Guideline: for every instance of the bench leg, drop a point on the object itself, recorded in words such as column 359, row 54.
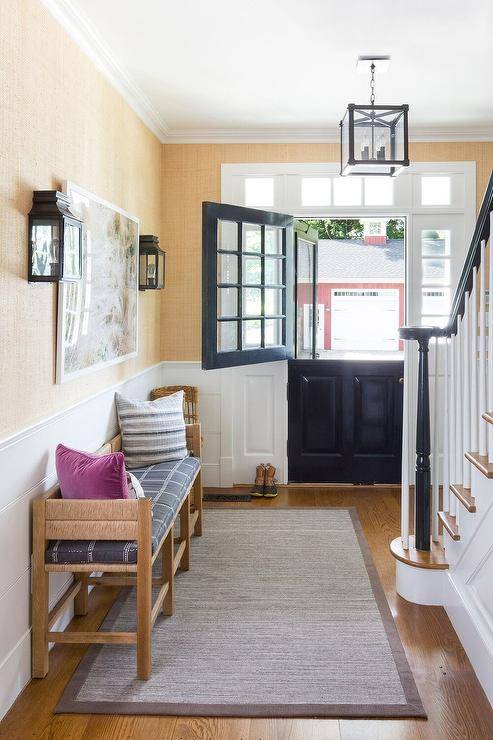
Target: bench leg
column 197, row 502
column 40, row 595
column 40, row 624
column 185, row 533
column 168, row 572
column 81, row 601
column 144, row 591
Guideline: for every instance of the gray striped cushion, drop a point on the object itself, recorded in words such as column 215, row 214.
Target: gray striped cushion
column 152, row 431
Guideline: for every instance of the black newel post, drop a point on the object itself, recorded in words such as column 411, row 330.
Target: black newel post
column 423, row 483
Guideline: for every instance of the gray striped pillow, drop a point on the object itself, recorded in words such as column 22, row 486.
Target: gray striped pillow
column 152, row 431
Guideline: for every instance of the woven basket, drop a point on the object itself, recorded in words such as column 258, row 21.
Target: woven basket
column 190, row 399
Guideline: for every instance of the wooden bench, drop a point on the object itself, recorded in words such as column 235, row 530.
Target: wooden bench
column 58, row 519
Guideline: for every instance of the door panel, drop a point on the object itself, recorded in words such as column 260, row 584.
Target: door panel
column 321, row 399
column 344, row 421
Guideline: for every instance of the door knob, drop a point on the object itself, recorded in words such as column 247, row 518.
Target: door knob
column 401, row 381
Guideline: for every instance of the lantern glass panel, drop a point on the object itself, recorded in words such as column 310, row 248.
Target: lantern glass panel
column 372, row 135
column 143, row 270
column 160, row 268
column 151, row 271
column 399, row 138
column 345, row 139
column 45, row 240
column 72, row 252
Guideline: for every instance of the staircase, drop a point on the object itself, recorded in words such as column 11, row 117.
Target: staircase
column 448, row 558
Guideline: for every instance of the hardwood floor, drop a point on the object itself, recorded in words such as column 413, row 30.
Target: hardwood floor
column 456, row 705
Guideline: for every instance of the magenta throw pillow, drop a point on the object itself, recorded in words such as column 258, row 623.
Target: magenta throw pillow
column 87, row 476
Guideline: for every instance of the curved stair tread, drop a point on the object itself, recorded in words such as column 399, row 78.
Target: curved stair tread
column 450, row 524
column 488, row 416
column 464, row 495
column 481, row 463
column 433, row 559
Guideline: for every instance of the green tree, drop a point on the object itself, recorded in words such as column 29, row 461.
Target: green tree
column 338, row 228
column 395, row 228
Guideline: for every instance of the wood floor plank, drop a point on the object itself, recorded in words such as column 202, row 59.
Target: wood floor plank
column 212, row 728
column 116, row 727
column 294, row 729
column 456, row 705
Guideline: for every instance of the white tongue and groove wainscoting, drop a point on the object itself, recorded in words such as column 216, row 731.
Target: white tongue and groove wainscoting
column 28, row 470
column 243, row 412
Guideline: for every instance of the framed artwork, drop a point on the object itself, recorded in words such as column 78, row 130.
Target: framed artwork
column 98, row 316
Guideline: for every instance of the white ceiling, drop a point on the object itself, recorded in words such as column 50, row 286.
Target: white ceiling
column 285, row 69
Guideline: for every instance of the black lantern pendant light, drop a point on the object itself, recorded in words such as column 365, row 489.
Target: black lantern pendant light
column 374, row 138
column 151, row 267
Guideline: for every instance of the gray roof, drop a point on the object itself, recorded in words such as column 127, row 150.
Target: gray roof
column 348, row 259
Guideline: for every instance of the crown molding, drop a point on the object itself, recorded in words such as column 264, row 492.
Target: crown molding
column 313, row 136
column 85, row 36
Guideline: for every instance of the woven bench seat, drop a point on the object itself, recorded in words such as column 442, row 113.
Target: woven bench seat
column 166, row 484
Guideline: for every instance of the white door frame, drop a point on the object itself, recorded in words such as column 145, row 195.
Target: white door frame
column 287, row 179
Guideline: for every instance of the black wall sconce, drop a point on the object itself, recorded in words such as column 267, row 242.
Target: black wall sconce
column 55, row 239
column 151, row 263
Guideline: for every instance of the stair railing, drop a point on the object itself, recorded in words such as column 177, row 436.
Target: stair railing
column 465, row 351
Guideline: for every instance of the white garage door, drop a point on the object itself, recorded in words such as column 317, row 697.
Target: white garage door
column 365, row 319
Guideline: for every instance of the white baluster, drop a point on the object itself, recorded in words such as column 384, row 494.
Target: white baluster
column 458, row 407
column 452, row 426
column 405, row 453
column 482, row 427
column 473, row 340
column 446, row 421
column 465, row 392
column 435, row 450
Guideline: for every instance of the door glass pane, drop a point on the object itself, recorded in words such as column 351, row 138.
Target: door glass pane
column 252, row 333
column 436, row 271
column 252, row 270
column 259, row 192
column 435, row 243
column 227, row 336
column 227, row 268
column 315, row 191
column 273, row 332
column 273, row 301
column 273, row 240
column 435, row 301
column 227, row 235
column 304, row 293
column 440, row 321
column 227, row 301
column 252, row 235
column 252, row 301
column 273, row 271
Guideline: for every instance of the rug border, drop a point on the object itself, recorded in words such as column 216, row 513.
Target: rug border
column 68, row 703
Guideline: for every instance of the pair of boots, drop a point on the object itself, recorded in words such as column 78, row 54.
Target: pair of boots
column 264, row 485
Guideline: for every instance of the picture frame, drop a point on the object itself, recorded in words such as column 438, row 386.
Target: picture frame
column 97, row 322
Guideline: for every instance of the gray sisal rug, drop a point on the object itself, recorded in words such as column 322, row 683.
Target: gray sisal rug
column 281, row 615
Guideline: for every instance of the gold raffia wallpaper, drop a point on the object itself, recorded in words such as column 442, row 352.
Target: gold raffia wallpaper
column 192, row 174
column 60, row 119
